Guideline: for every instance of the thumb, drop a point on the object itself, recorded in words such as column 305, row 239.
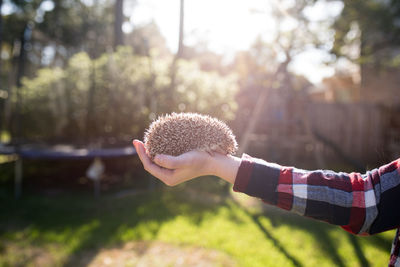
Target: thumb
column 169, row 162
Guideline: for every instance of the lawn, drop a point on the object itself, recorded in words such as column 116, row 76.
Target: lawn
column 172, row 227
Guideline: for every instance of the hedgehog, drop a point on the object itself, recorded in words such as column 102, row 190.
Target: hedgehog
column 178, row 133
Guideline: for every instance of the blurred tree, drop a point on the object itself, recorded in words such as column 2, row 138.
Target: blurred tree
column 118, row 20
column 367, row 31
column 178, row 54
column 17, row 29
column 2, row 91
column 208, row 60
column 1, row 37
column 368, row 34
column 340, row 88
column 181, row 28
column 61, row 29
column 146, row 38
column 126, row 85
column 73, row 26
column 268, row 63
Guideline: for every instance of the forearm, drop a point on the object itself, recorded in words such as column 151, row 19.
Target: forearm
column 350, row 200
column 225, row 167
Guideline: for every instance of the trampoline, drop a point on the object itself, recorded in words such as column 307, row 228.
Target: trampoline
column 59, row 152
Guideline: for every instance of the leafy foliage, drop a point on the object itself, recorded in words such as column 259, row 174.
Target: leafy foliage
column 375, row 25
column 116, row 95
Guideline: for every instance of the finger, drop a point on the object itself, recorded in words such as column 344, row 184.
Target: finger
column 169, row 162
column 134, row 143
column 141, row 151
column 154, row 169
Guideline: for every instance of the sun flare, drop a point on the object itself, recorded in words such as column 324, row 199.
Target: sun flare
column 226, row 27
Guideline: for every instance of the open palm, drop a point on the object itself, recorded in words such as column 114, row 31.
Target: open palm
column 173, row 170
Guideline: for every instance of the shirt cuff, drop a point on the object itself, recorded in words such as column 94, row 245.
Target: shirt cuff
column 258, row 178
column 243, row 174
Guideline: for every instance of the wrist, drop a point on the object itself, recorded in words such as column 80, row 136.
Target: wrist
column 225, row 167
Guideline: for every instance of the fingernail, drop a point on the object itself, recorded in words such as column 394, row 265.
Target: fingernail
column 135, row 144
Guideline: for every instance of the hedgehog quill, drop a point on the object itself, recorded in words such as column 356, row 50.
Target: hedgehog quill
column 178, row 133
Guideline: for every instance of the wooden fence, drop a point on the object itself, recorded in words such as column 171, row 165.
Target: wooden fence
column 357, row 129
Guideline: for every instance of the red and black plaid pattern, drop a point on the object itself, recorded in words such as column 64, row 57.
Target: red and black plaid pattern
column 359, row 203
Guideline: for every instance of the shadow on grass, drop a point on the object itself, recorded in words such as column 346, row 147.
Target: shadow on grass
column 384, row 244
column 275, row 241
column 320, row 232
column 84, row 224
column 357, row 249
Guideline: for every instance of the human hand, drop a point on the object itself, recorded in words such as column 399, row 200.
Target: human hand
column 173, row 170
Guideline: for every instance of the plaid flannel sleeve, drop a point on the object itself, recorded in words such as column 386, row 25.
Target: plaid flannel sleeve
column 361, row 204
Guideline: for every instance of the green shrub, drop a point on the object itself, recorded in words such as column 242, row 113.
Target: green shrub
column 116, row 96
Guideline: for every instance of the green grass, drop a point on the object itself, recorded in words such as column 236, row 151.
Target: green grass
column 68, row 225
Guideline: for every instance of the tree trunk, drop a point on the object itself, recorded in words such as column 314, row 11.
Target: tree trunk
column 1, row 82
column 1, row 36
column 20, row 73
column 177, row 55
column 181, row 24
column 90, row 118
column 118, row 20
column 90, row 127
